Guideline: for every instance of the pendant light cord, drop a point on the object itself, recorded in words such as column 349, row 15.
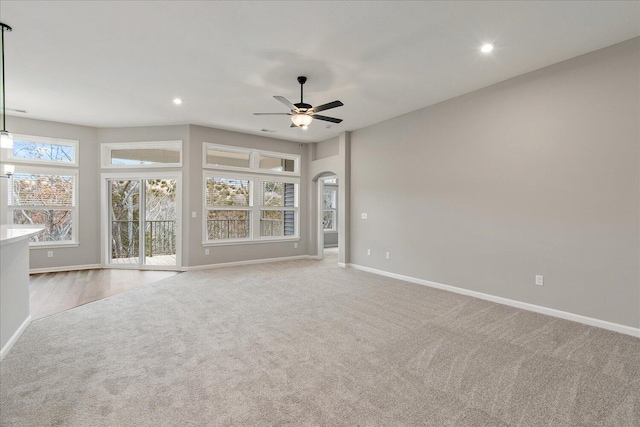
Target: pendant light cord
column 4, row 108
column 5, row 27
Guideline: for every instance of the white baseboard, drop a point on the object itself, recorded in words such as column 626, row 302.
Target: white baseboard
column 14, row 338
column 623, row 329
column 64, row 268
column 343, row 265
column 249, row 262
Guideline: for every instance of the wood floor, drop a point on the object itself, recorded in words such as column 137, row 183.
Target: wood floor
column 53, row 293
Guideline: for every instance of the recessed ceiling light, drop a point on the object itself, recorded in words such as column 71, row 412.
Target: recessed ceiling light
column 486, row 48
column 177, row 101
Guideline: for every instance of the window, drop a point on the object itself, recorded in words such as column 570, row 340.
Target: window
column 276, row 164
column 46, row 197
column 43, row 189
column 223, row 157
column 231, row 215
column 277, row 209
column 41, row 150
column 142, row 154
column 216, row 156
column 228, row 208
column 329, row 212
column 246, row 198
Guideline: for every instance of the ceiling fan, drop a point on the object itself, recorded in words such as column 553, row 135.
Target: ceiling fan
column 302, row 114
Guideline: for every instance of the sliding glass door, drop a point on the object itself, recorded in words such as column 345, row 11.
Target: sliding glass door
column 143, row 222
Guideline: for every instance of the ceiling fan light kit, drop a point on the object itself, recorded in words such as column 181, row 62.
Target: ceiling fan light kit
column 302, row 114
column 6, row 139
column 301, row 120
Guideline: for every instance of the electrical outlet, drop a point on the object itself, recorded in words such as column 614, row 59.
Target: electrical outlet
column 368, row 251
column 49, row 254
column 387, row 255
column 206, row 251
column 193, row 214
column 539, row 280
column 295, row 246
column 364, row 215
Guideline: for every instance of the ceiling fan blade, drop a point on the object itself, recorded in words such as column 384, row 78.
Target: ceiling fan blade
column 271, row 114
column 327, row 119
column 327, row 106
column 286, row 102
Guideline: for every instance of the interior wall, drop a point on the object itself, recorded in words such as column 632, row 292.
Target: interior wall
column 88, row 249
column 537, row 175
column 244, row 252
column 326, row 148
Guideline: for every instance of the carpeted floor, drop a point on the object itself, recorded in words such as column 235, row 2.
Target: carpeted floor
column 308, row 343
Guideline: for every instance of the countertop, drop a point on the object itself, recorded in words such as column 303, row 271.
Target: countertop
column 11, row 232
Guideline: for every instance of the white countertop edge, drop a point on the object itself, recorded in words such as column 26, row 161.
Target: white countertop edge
column 10, row 233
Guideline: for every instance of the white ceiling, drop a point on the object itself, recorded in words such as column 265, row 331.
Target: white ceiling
column 118, row 63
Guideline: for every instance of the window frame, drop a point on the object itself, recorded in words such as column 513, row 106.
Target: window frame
column 254, row 160
column 7, row 155
column 75, row 208
column 255, row 208
column 107, row 147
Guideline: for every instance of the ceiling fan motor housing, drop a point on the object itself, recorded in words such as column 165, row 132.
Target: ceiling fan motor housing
column 303, row 106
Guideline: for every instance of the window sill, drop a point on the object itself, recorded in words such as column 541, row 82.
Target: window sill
column 330, row 231
column 51, row 245
column 250, row 242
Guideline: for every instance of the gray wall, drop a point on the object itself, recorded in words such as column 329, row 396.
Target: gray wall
column 88, row 250
column 326, row 148
column 539, row 174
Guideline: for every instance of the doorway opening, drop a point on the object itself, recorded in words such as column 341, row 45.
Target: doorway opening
column 328, row 218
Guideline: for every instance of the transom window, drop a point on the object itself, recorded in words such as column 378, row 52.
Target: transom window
column 216, row 156
column 42, row 150
column 154, row 154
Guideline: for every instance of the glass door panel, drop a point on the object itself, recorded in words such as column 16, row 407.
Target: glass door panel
column 124, row 215
column 143, row 222
column 160, row 222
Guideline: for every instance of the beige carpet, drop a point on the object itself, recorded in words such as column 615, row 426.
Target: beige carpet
column 308, row 343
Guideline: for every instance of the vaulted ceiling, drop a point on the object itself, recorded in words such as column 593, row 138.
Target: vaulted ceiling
column 117, row 63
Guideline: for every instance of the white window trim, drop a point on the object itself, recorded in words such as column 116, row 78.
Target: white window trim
column 7, row 155
column 75, row 209
column 106, row 149
column 254, row 160
column 253, row 207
